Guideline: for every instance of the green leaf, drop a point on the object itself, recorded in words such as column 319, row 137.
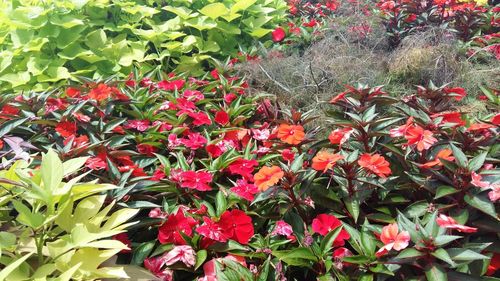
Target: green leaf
column 220, row 203
column 460, row 254
column 409, row 253
column 201, row 256
column 460, row 157
column 352, row 205
column 327, row 241
column 8, row 126
column 297, row 163
column 13, row 266
column 444, row 256
column 214, row 10
column 368, row 242
column 482, row 203
column 26, row 217
column 444, row 190
column 52, row 170
column 442, row 240
column 477, row 162
column 296, row 257
column 436, row 273
column 141, row 252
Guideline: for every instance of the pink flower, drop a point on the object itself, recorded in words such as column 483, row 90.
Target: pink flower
column 194, row 141
column 193, row 95
column 139, row 125
column 261, row 134
column 393, row 239
column 282, row 228
column 157, row 213
column 212, row 230
column 476, row 181
column 401, row 130
column 494, row 194
column 155, row 264
column 184, row 254
column 450, row 223
column 196, row 180
column 324, row 223
column 340, row 136
column 245, row 190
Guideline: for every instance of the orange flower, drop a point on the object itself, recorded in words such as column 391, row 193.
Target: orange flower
column 443, row 154
column 101, row 92
column 267, row 177
column 325, row 160
column 291, row 134
column 376, row 164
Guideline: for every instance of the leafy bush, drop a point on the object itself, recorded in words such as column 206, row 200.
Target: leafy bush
column 53, row 228
column 49, row 41
column 465, row 18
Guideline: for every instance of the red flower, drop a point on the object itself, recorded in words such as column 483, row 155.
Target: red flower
column 278, row 34
column 171, row 85
column 212, row 230
column 200, row 118
column 10, row 110
column 451, row 223
column 423, row 139
column 146, row 149
column 324, row 223
column 450, row 117
column 376, row 164
column 194, row 141
column 215, row 74
column 496, row 119
column 78, row 142
column 101, row 92
column 53, row 104
column 72, row 92
column 401, row 130
column 237, row 226
column 221, row 117
column 457, row 92
column 243, row 167
column 245, row 190
column 66, row 128
column 311, row 23
column 494, row 264
column 123, row 237
column 288, row 155
column 196, row 180
column 169, row 232
column 193, row 95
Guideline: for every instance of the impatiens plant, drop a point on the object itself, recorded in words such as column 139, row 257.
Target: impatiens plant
column 55, row 227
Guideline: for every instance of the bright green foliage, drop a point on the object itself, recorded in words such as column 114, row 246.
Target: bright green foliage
column 54, row 229
column 48, row 41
